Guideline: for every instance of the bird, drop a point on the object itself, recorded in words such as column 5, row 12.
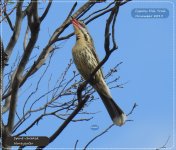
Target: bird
column 86, row 60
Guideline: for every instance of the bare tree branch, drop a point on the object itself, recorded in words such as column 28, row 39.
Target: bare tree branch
column 67, row 121
column 124, row 2
column 17, row 28
column 8, row 19
column 113, row 15
column 86, row 10
column 46, row 11
column 98, row 11
column 34, row 27
column 6, row 106
column 6, row 15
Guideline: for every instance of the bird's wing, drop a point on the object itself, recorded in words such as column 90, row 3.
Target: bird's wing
column 96, row 57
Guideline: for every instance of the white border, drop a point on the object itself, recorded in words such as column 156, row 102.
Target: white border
column 173, row 142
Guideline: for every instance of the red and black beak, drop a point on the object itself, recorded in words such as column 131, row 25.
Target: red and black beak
column 75, row 22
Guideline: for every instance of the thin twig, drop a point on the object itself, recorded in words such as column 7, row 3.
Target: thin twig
column 134, row 106
column 72, row 10
column 76, row 144
column 106, row 130
column 164, row 146
column 97, row 11
column 8, row 20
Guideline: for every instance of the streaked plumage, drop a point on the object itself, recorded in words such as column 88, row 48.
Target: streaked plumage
column 86, row 61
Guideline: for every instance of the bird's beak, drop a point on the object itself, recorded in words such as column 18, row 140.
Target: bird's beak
column 75, row 22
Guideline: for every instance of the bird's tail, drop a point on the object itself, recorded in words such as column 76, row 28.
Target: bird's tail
column 115, row 112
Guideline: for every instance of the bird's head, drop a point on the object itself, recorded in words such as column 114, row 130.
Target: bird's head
column 81, row 30
column 78, row 25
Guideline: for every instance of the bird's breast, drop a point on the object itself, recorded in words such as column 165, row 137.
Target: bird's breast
column 84, row 60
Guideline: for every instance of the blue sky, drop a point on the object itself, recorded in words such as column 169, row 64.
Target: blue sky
column 147, row 51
